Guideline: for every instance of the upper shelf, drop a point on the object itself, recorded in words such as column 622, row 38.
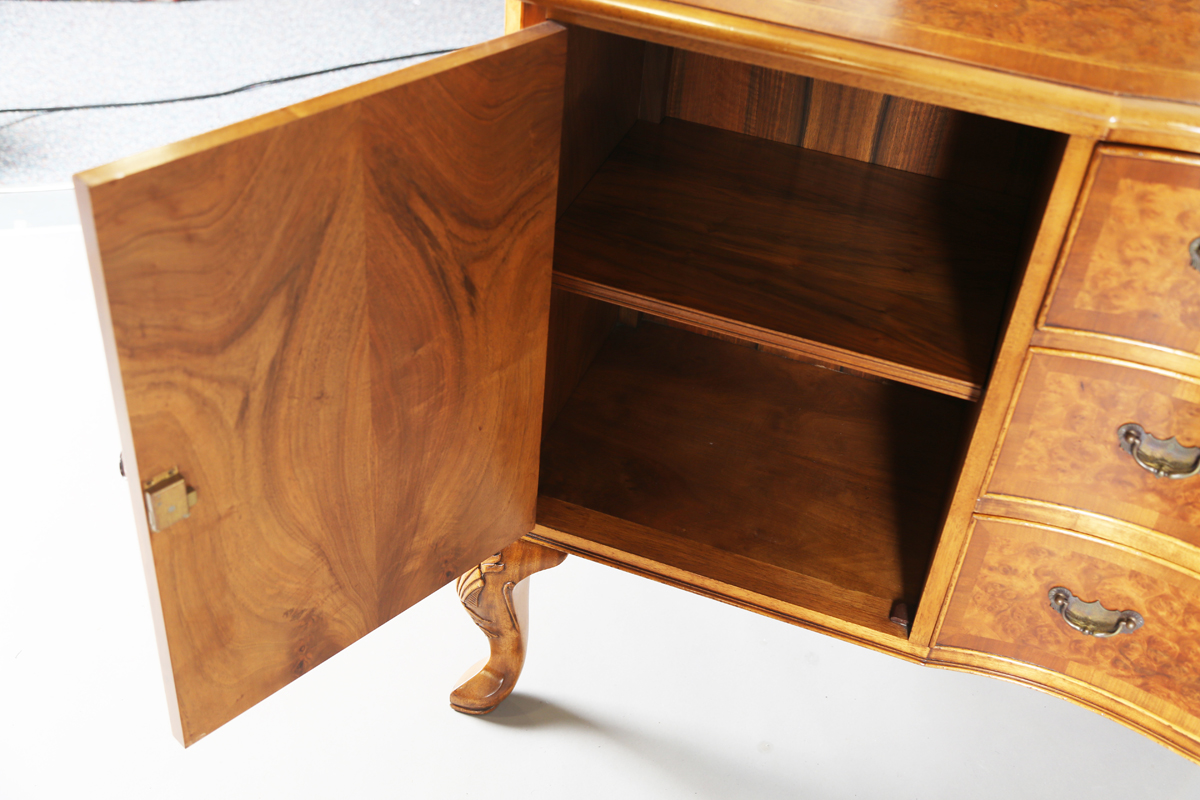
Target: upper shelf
column 898, row 275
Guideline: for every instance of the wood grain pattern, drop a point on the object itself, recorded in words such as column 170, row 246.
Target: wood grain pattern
column 1099, row 344
column 967, row 85
column 1008, row 60
column 578, row 327
column 1126, row 534
column 914, row 136
column 1127, row 271
column 338, row 334
column 601, row 99
column 496, row 595
column 736, row 96
column 1001, row 608
column 894, row 274
column 812, row 471
column 656, row 80
column 1061, row 444
column 758, row 586
column 1144, row 48
column 843, row 120
column 1070, row 167
column 867, row 126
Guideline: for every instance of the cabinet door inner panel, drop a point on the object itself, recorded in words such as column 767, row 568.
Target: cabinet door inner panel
column 332, row 321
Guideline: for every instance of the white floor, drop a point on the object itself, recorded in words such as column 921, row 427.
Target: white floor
column 632, row 689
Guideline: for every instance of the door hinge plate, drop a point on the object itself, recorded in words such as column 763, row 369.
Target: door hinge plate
column 168, row 499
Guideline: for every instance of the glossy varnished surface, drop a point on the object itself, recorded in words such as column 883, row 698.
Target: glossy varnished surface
column 1061, row 445
column 578, row 327
column 332, row 320
column 600, row 101
column 1056, row 200
column 884, row 271
column 1144, row 102
column 1144, row 47
column 835, row 480
column 762, row 587
column 1127, row 272
column 1000, row 607
column 844, row 121
column 496, row 595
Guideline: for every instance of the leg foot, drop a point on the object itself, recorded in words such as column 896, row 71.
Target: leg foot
column 497, row 599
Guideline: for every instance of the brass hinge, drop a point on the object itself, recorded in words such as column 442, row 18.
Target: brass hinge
column 168, row 499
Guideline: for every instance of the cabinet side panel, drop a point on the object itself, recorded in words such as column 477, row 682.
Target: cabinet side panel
column 603, row 91
column 332, row 322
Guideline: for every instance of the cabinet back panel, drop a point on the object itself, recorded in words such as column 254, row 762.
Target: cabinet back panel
column 855, row 123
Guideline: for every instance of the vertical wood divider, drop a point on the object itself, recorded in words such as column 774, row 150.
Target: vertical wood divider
column 999, row 394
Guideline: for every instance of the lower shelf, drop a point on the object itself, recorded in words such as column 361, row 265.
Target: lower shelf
column 821, row 490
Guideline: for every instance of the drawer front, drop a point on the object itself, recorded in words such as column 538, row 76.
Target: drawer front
column 1001, row 607
column 1127, row 270
column 1062, row 445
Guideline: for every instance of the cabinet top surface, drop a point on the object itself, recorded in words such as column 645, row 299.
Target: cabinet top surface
column 1148, row 48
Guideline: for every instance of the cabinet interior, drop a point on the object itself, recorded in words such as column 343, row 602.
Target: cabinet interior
column 776, row 301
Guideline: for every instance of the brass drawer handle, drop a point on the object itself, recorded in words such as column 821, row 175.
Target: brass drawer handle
column 1093, row 619
column 1166, row 458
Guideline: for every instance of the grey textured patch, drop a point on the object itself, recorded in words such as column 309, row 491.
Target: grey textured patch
column 55, row 54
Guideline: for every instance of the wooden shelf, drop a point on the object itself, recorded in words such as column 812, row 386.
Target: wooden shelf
column 779, row 479
column 891, row 273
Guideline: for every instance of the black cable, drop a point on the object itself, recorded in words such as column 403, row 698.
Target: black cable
column 36, row 111
column 15, row 121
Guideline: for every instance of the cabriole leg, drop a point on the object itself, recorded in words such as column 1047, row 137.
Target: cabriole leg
column 496, row 597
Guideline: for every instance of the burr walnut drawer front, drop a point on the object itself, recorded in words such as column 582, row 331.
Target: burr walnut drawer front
column 1120, row 621
column 1105, row 437
column 1132, row 266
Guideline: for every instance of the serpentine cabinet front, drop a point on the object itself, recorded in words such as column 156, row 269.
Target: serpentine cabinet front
column 359, row 351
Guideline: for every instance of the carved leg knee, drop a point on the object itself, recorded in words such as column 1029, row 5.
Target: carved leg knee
column 497, row 599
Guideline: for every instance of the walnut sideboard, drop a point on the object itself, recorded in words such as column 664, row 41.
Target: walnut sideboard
column 881, row 318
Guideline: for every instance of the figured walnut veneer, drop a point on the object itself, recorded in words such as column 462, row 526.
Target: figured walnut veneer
column 1127, row 271
column 881, row 129
column 333, row 321
column 895, row 274
column 1133, row 46
column 830, row 482
column 1061, row 445
column 1000, row 607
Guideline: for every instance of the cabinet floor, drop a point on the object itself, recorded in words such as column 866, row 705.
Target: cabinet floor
column 632, row 689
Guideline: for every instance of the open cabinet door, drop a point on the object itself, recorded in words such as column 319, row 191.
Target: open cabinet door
column 331, row 321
